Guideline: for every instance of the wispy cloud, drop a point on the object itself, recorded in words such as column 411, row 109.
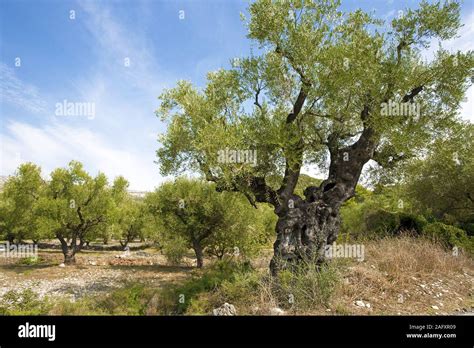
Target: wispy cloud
column 15, row 91
column 55, row 145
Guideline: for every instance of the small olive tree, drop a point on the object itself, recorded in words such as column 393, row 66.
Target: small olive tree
column 18, row 204
column 75, row 206
column 193, row 213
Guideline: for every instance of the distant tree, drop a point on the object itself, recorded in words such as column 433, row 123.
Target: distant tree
column 191, row 211
column 129, row 222
column 442, row 184
column 328, row 86
column 244, row 230
column 19, row 198
column 74, row 207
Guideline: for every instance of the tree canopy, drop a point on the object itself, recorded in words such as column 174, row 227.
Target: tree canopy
column 317, row 91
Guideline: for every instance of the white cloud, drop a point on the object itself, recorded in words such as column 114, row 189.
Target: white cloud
column 119, row 141
column 118, row 43
column 15, row 91
column 55, row 145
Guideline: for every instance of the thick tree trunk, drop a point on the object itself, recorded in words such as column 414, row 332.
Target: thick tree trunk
column 306, row 226
column 11, row 238
column 303, row 232
column 199, row 253
column 69, row 256
column 69, row 251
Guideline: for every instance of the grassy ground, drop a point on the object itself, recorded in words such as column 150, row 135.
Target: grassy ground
column 398, row 276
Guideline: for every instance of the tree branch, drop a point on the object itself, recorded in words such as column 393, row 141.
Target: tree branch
column 413, row 93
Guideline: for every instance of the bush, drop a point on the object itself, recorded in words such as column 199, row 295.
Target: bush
column 448, row 236
column 381, row 221
column 25, row 302
column 468, row 227
column 174, row 250
column 194, row 296
column 29, row 261
column 412, row 222
column 306, row 287
column 129, row 300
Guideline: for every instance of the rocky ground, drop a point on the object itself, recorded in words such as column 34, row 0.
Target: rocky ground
column 397, row 277
column 94, row 273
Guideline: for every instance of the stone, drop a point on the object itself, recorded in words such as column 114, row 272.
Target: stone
column 62, row 265
column 225, row 310
column 359, row 303
column 277, row 311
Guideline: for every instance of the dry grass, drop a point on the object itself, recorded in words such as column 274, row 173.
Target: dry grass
column 406, row 275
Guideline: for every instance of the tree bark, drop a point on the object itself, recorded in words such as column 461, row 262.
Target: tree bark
column 11, row 238
column 306, row 226
column 69, row 250
column 303, row 232
column 199, row 253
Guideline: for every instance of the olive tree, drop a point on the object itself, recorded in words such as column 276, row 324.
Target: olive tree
column 192, row 213
column 129, row 220
column 19, row 198
column 442, row 184
column 329, row 89
column 74, row 207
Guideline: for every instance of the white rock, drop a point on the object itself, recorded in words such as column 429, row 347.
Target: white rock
column 435, row 307
column 359, row 303
column 367, row 305
column 277, row 311
column 62, row 265
column 225, row 310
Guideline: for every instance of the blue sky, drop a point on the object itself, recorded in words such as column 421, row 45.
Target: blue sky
column 83, row 60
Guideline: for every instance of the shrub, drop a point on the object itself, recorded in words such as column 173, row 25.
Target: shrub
column 306, row 287
column 29, row 261
column 129, row 300
column 468, row 227
column 194, row 292
column 174, row 250
column 26, row 302
column 412, row 222
column 380, row 221
column 448, row 236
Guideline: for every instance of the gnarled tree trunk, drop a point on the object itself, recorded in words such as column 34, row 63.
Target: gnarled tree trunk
column 69, row 250
column 307, row 225
column 303, row 233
